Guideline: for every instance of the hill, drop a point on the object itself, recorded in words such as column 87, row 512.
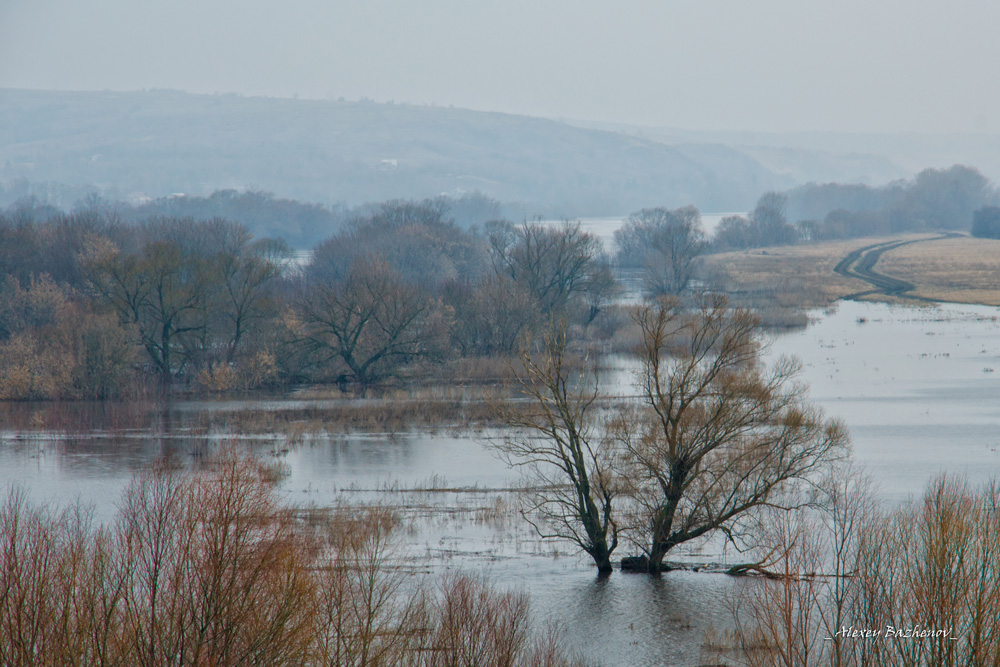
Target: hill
column 155, row 143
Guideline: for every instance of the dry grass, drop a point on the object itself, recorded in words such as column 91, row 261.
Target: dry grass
column 961, row 270
column 466, row 371
column 369, row 416
column 805, row 269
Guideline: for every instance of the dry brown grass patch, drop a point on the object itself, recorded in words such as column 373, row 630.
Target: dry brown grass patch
column 962, row 270
column 803, row 269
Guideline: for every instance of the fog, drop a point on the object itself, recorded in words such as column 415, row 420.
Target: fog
column 657, row 103
column 316, row 201
column 769, row 65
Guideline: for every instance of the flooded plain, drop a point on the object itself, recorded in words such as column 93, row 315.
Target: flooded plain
column 918, row 388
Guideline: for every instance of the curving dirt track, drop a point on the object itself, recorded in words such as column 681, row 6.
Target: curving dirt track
column 860, row 264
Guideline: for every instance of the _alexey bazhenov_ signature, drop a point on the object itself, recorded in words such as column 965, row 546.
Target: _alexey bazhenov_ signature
column 892, row 632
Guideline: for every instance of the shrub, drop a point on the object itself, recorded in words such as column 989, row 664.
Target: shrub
column 208, row 569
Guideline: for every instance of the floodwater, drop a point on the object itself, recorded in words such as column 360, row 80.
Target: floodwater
column 916, row 387
column 919, row 388
column 605, row 228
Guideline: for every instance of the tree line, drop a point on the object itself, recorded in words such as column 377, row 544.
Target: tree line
column 96, row 307
column 935, row 199
column 300, row 224
column 96, row 303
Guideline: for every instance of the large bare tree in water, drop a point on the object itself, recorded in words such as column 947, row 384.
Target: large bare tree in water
column 714, row 436
column 717, row 433
column 556, row 438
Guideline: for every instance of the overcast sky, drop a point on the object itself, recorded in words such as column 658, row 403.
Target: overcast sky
column 765, row 65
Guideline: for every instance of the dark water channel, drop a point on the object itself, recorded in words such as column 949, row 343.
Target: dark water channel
column 916, row 388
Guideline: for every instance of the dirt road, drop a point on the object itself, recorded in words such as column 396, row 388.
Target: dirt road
column 860, row 264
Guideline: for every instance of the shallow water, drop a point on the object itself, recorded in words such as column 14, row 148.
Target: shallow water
column 605, row 228
column 914, row 386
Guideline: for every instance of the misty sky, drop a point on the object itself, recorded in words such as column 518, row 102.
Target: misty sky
column 766, row 65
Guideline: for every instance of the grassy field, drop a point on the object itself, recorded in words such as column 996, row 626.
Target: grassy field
column 963, row 270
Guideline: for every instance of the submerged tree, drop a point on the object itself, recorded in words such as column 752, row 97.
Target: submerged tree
column 717, row 434
column 715, row 437
column 556, row 438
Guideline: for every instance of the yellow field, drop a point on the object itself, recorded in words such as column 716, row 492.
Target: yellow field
column 963, row 270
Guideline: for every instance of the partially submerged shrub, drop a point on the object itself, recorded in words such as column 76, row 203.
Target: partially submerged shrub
column 209, row 569
column 918, row 585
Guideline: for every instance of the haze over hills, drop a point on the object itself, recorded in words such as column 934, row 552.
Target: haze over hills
column 161, row 142
column 154, row 143
column 870, row 158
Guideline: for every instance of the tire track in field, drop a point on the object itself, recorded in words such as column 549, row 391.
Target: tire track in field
column 861, row 263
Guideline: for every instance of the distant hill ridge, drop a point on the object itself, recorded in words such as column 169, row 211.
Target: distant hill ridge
column 161, row 142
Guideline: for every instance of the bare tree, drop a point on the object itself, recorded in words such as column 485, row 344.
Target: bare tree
column 918, row 585
column 779, row 617
column 717, row 434
column 733, row 233
column 768, row 222
column 557, row 265
column 765, row 226
column 372, row 322
column 797, row 612
column 210, row 569
column 366, row 615
column 568, row 461
column 423, row 246
column 491, row 316
column 161, row 290
column 602, row 288
column 244, row 272
column 665, row 244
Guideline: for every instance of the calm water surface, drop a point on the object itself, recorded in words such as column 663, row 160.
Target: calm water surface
column 605, row 228
column 916, row 388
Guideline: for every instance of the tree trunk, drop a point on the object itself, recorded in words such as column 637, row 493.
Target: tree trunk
column 656, row 555
column 602, row 559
